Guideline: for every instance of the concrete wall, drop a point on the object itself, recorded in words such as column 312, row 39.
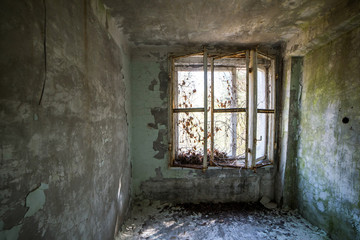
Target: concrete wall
column 152, row 178
column 286, row 179
column 283, row 132
column 65, row 170
column 329, row 148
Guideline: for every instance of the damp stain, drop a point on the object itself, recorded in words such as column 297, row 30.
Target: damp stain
column 160, row 117
column 159, row 144
column 164, row 80
column 152, row 85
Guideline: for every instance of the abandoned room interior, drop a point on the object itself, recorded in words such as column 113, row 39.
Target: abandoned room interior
column 192, row 119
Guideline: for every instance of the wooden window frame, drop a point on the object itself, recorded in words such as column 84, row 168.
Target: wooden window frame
column 251, row 110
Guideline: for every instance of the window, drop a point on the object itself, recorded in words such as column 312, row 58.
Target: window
column 222, row 111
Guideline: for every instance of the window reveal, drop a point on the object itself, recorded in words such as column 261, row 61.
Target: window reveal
column 229, row 111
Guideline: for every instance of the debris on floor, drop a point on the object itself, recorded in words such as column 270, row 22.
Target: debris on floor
column 266, row 202
column 155, row 220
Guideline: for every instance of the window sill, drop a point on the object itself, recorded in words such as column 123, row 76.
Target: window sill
column 200, row 167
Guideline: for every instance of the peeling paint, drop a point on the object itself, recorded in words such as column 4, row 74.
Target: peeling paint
column 160, row 117
column 152, row 85
column 164, row 81
column 13, row 216
column 159, row 144
column 158, row 173
column 11, row 234
column 35, row 200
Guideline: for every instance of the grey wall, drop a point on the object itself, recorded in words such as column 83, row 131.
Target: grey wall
column 287, row 172
column 65, row 170
column 319, row 154
column 152, row 177
column 329, row 150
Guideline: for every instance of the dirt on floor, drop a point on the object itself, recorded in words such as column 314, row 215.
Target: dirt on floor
column 155, row 220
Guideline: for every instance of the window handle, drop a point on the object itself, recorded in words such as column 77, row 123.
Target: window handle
column 259, row 139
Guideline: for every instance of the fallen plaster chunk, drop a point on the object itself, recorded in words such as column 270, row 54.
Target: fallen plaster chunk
column 264, row 200
column 270, row 205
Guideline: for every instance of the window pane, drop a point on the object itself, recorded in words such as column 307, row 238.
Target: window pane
column 190, row 89
column 189, row 137
column 261, row 90
column 261, row 134
column 264, row 91
column 229, row 137
column 230, row 89
column 240, row 88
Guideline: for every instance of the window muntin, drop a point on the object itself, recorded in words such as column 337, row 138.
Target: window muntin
column 228, row 113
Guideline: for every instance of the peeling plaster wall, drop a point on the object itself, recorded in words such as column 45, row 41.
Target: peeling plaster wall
column 329, row 149
column 65, row 169
column 152, row 178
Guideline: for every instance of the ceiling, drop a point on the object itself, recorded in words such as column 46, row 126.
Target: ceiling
column 185, row 22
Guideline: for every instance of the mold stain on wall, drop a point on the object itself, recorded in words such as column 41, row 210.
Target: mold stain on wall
column 329, row 160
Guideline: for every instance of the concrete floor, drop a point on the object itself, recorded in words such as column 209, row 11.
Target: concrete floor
column 155, row 220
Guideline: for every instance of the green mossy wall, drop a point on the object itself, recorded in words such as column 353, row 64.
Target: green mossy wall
column 329, row 150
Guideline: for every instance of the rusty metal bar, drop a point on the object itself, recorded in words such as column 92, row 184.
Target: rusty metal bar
column 172, row 101
column 265, row 111
column 212, row 112
column 262, row 55
column 188, row 166
column 226, row 110
column 205, row 110
column 267, row 100
column 219, row 165
column 254, row 117
column 234, row 116
column 229, row 56
column 273, row 96
column 247, row 107
column 252, row 108
column 179, row 110
column 187, row 55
